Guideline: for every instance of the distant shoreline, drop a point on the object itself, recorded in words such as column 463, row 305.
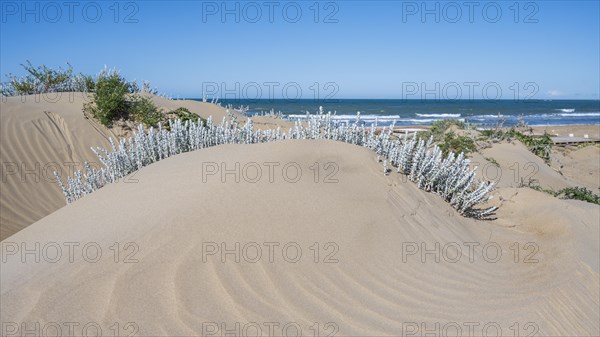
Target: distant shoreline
column 484, row 113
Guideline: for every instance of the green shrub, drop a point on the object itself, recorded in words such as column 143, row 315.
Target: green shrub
column 576, row 193
column 84, row 83
column 534, row 184
column 39, row 80
column 185, row 115
column 456, row 144
column 579, row 193
column 48, row 79
column 449, row 141
column 142, row 110
column 114, row 97
column 495, row 135
column 439, row 128
column 539, row 145
column 110, row 97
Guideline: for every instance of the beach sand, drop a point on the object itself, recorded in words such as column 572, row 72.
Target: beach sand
column 326, row 243
column 43, row 134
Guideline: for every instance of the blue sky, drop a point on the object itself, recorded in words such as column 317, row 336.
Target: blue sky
column 355, row 49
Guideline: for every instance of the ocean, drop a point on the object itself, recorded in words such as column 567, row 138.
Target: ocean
column 424, row 112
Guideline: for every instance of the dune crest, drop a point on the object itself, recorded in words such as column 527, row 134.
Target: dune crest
column 361, row 270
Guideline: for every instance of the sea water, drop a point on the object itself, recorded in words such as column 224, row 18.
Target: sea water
column 425, row 112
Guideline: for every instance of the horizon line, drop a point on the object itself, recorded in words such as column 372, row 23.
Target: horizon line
column 332, row 100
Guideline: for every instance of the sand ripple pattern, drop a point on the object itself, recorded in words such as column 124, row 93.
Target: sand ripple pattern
column 374, row 288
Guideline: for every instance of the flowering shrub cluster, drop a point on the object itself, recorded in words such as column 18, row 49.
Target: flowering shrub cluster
column 450, row 177
column 42, row 79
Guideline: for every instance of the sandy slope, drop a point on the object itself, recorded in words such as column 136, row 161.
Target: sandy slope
column 511, row 164
column 519, row 165
column 39, row 135
column 206, row 110
column 365, row 223
column 579, row 164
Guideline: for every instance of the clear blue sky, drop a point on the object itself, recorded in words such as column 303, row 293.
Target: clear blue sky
column 366, row 49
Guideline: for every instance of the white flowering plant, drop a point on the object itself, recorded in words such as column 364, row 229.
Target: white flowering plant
column 423, row 163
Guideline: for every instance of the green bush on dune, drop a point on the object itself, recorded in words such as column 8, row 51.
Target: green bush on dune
column 112, row 100
column 457, row 144
column 39, row 80
column 449, row 141
column 574, row 193
column 109, row 97
column 42, row 79
column 142, row 110
column 541, row 146
column 113, row 97
column 85, row 83
column 185, row 115
column 579, row 193
column 438, row 129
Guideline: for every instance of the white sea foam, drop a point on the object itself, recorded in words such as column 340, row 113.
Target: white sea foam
column 565, row 110
column 368, row 119
column 439, row 115
column 353, row 117
column 422, row 120
column 418, row 120
column 486, row 116
column 581, row 114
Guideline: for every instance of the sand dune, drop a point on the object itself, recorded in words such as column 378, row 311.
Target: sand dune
column 368, row 278
column 511, row 164
column 217, row 112
column 580, row 164
column 37, row 139
column 42, row 134
column 518, row 165
column 203, row 109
